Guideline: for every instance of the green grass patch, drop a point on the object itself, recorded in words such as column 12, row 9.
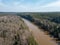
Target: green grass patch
column 32, row 41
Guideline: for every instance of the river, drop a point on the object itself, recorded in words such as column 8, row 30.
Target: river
column 40, row 37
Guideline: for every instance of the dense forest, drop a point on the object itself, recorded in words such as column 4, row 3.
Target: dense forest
column 13, row 30
column 49, row 21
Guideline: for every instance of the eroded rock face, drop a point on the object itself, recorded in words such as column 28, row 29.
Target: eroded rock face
column 13, row 31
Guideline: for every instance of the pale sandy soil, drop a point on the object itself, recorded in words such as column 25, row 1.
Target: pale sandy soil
column 39, row 35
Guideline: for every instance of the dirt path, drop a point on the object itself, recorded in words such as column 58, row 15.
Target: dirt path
column 39, row 35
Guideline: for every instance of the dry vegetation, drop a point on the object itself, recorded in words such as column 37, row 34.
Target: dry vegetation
column 13, row 31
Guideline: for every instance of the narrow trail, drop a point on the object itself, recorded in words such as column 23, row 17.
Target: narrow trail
column 39, row 35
